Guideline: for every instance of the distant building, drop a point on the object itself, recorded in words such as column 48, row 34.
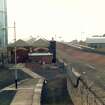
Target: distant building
column 22, row 50
column 3, row 24
column 30, row 53
column 74, row 42
column 96, row 42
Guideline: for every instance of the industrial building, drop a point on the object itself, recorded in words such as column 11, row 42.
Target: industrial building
column 3, row 24
column 96, row 42
column 32, row 53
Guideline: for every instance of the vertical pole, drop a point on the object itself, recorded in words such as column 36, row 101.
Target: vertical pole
column 15, row 55
column 6, row 24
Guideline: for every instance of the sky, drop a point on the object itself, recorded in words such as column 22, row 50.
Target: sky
column 62, row 19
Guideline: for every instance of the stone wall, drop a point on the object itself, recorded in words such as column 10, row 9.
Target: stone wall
column 81, row 95
column 80, row 89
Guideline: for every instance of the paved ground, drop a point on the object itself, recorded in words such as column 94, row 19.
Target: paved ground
column 7, row 77
column 91, row 66
column 21, row 96
column 28, row 92
column 54, row 90
column 55, row 93
column 48, row 72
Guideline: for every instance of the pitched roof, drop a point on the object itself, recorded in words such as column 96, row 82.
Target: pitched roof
column 41, row 43
column 31, row 41
column 19, row 43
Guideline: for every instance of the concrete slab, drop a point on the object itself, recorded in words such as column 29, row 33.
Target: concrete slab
column 23, row 97
column 29, row 93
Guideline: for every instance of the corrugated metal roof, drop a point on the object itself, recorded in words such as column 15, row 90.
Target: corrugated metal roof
column 95, row 40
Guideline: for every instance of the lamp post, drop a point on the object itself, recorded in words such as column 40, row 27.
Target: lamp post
column 16, row 77
column 16, row 74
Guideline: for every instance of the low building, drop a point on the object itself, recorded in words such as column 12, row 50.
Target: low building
column 22, row 50
column 96, row 42
column 25, row 52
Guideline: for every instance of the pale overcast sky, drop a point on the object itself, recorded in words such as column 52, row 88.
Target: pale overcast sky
column 70, row 19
